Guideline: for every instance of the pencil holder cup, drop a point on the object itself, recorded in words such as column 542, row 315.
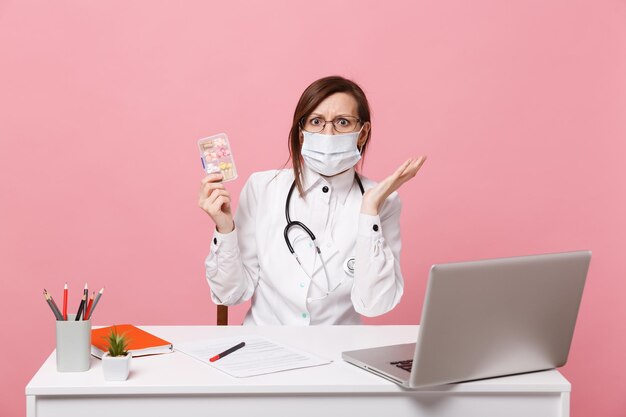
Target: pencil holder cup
column 73, row 344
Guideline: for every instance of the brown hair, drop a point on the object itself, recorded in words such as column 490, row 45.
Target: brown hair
column 314, row 94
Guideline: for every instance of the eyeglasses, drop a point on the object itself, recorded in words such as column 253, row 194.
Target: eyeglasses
column 341, row 124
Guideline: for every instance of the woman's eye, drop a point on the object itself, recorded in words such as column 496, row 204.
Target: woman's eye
column 343, row 122
column 315, row 121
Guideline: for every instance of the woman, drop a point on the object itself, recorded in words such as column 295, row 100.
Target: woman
column 267, row 253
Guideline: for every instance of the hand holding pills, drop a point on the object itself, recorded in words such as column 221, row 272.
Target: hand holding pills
column 218, row 163
column 215, row 200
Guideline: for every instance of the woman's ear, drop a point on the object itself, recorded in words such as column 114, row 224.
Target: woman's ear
column 365, row 131
column 301, row 136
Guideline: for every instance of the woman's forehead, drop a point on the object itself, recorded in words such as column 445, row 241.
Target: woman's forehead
column 337, row 104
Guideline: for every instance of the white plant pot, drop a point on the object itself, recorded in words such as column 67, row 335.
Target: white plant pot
column 116, row 368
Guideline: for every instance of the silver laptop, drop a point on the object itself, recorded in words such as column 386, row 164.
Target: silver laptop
column 488, row 318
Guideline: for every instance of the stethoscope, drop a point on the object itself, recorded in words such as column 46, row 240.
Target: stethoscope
column 348, row 264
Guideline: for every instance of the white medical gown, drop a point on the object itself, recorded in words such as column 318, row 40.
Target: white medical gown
column 253, row 261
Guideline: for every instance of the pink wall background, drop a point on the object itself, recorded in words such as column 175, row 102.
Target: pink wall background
column 520, row 106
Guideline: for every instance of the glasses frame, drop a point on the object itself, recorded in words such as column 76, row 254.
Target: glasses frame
column 332, row 122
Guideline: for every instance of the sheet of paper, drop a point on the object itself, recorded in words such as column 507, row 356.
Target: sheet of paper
column 259, row 356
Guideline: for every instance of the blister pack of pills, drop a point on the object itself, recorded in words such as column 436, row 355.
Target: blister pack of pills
column 217, row 157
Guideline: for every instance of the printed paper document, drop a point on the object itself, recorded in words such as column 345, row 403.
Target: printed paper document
column 259, row 356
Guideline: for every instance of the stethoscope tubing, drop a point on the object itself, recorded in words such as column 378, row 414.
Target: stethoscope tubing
column 296, row 223
column 301, row 225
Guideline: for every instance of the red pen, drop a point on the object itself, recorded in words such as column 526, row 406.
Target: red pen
column 227, row 352
column 65, row 302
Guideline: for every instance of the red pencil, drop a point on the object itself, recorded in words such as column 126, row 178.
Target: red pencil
column 65, row 302
column 88, row 310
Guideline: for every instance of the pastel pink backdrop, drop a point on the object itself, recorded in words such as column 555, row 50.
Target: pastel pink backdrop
column 520, row 107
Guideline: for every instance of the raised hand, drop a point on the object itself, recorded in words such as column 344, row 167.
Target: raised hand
column 374, row 198
column 215, row 200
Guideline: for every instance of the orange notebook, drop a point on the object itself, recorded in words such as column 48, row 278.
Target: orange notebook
column 140, row 342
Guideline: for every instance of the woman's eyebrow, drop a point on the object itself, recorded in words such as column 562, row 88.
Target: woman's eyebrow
column 339, row 115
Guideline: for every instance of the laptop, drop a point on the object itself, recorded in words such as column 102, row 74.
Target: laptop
column 487, row 318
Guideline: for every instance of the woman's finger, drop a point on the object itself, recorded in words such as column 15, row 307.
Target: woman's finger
column 208, row 187
column 413, row 167
column 390, row 180
column 213, row 184
column 410, row 170
column 221, row 204
column 212, row 178
column 206, row 200
column 402, row 168
column 216, row 194
column 420, row 161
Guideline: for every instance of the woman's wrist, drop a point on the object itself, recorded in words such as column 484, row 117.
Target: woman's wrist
column 370, row 209
column 225, row 229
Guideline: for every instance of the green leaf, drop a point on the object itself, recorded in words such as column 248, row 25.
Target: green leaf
column 118, row 343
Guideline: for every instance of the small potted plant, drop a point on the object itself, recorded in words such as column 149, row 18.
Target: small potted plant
column 116, row 361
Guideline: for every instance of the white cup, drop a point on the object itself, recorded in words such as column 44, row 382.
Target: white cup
column 73, row 344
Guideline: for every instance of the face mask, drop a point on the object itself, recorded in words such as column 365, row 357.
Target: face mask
column 330, row 154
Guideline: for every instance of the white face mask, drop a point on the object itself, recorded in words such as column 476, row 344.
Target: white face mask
column 330, row 154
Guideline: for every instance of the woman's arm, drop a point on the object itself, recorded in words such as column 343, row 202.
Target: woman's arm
column 378, row 283
column 232, row 268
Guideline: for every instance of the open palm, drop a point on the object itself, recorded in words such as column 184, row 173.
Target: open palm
column 376, row 196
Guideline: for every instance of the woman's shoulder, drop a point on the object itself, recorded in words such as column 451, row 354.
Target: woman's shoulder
column 270, row 179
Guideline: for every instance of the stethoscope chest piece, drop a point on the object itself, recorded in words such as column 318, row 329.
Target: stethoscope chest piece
column 348, row 266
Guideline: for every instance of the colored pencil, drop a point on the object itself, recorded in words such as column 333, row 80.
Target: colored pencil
column 95, row 302
column 65, row 291
column 49, row 300
column 54, row 305
column 88, row 309
column 80, row 307
column 86, row 292
column 86, row 295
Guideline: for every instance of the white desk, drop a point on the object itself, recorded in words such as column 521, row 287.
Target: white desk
column 177, row 385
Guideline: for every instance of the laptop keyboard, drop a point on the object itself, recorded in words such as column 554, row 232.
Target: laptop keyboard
column 406, row 365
